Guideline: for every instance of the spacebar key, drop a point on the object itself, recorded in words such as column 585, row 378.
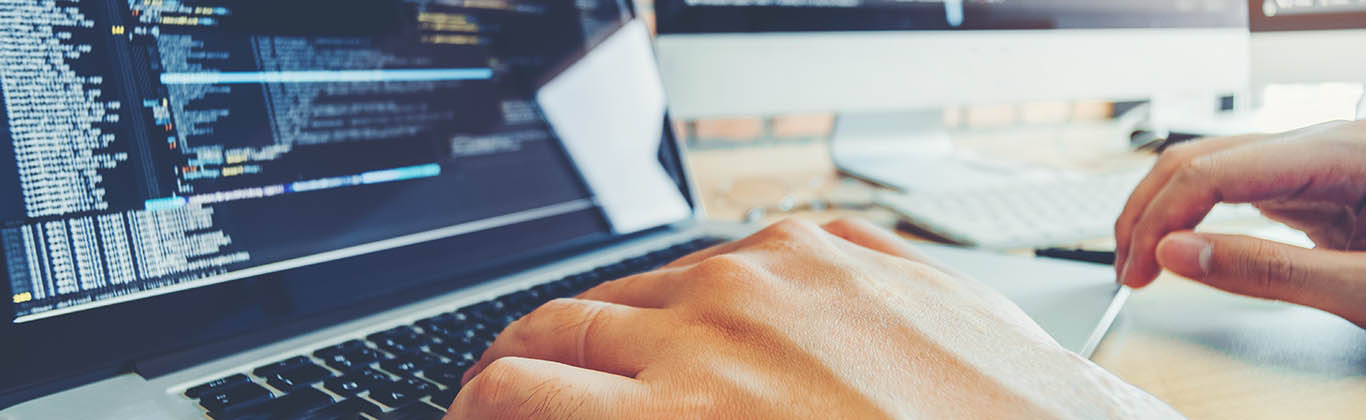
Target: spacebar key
column 289, row 406
column 350, row 408
column 416, row 411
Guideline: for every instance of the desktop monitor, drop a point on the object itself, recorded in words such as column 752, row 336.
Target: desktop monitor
column 876, row 61
column 756, row 57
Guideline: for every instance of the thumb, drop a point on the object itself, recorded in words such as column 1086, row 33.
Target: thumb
column 1334, row 281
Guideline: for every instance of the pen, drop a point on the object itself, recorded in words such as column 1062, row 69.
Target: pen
column 1098, row 257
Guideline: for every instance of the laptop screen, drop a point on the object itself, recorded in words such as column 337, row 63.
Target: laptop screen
column 238, row 164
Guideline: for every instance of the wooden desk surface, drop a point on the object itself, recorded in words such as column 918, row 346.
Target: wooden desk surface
column 1209, row 354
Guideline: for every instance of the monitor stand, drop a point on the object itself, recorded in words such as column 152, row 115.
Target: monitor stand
column 911, row 152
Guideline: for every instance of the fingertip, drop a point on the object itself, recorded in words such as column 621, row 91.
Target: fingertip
column 1137, row 272
column 1186, row 254
column 1121, row 258
column 1121, row 265
column 474, row 370
column 1124, row 276
column 469, row 374
column 1139, row 284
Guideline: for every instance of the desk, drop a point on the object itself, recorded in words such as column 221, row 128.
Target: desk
column 1209, row 354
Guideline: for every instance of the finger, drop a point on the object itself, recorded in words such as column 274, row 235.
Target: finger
column 657, row 289
column 1180, row 158
column 652, row 289
column 519, row 388
column 786, row 228
column 1253, row 173
column 861, row 232
column 1172, row 159
column 594, row 335
column 872, row 237
column 1329, row 225
column 1330, row 280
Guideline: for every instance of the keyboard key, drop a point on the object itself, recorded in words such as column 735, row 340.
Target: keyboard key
column 407, row 365
column 217, row 385
column 286, row 407
column 346, row 347
column 448, row 374
column 423, row 360
column 298, row 376
column 267, row 370
column 464, row 350
column 445, row 398
column 423, row 387
column 395, row 394
column 372, row 377
column 439, row 325
column 348, row 409
column 356, row 382
column 462, row 336
column 241, row 395
column 491, row 312
column 417, row 411
column 344, row 385
column 352, row 359
column 399, row 340
column 555, row 289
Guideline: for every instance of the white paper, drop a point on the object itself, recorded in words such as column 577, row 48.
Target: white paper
column 608, row 109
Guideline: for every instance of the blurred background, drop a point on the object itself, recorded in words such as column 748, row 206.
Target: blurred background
column 1021, row 126
column 1032, row 91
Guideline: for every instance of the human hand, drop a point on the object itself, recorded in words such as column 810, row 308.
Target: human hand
column 796, row 321
column 1312, row 179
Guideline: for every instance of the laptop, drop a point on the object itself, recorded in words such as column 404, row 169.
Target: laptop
column 328, row 209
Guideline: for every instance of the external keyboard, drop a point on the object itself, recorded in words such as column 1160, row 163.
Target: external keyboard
column 1029, row 214
column 407, row 372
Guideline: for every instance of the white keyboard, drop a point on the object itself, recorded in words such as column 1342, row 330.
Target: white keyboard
column 1026, row 214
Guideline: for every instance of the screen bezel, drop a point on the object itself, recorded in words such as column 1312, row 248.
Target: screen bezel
column 88, row 349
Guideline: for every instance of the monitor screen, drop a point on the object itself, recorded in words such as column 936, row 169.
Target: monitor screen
column 729, row 16
column 247, row 164
column 169, row 145
column 1302, row 15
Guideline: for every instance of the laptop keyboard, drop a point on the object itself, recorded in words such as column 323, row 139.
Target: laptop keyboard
column 410, row 372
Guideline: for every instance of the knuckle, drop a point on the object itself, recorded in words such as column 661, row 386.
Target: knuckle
column 723, row 273
column 563, row 313
column 844, row 223
column 550, row 313
column 556, row 306
column 504, row 391
column 790, row 229
column 590, row 326
column 1193, row 169
column 721, row 266
column 1274, row 270
column 494, row 386
column 1177, row 155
